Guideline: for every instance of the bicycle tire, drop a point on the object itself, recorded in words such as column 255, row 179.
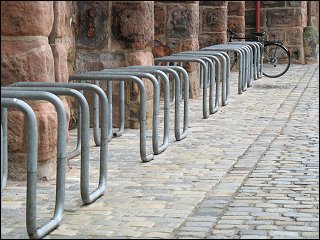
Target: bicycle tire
column 276, row 60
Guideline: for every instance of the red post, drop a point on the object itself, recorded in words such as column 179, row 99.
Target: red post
column 258, row 16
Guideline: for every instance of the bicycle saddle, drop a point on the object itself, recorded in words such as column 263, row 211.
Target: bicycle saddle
column 258, row 34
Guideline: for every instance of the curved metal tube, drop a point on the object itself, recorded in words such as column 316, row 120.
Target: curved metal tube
column 32, row 229
column 89, row 76
column 214, row 76
column 156, row 100
column 86, row 196
column 225, row 66
column 4, row 145
column 242, row 62
column 156, row 148
column 204, row 67
column 177, row 90
column 80, row 87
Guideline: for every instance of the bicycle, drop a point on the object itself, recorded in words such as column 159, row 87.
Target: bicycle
column 276, row 57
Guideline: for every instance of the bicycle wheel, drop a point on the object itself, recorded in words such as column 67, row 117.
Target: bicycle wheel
column 276, row 60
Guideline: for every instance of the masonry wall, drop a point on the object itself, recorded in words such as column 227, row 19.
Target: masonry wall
column 283, row 21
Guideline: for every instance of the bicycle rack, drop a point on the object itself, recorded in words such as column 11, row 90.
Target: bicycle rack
column 220, row 66
column 32, row 229
column 204, row 76
column 103, row 77
column 178, row 91
column 156, row 100
column 80, row 87
column 242, row 52
column 257, row 56
column 86, row 196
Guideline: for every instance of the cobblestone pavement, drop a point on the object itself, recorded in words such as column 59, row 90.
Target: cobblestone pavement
column 250, row 170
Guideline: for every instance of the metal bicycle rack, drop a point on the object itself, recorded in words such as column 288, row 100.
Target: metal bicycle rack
column 257, row 48
column 177, row 95
column 86, row 196
column 31, row 219
column 222, row 66
column 4, row 147
column 206, row 67
column 244, row 63
column 103, row 77
column 157, row 149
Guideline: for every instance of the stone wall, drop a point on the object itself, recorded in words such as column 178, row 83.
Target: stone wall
column 236, row 16
column 213, row 23
column 111, row 34
column 283, row 21
column 176, row 28
column 26, row 55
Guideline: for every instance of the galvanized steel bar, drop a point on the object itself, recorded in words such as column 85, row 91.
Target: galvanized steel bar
column 141, row 73
column 157, row 149
column 102, row 77
column 4, row 145
column 86, row 196
column 242, row 80
column 177, row 91
column 32, row 229
column 202, row 61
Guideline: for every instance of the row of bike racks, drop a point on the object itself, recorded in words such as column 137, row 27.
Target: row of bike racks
column 214, row 68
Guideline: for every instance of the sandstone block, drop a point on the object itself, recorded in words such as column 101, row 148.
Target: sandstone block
column 213, row 3
column 182, row 21
column 26, row 61
column 214, row 20
column 26, row 18
column 236, row 8
column 60, row 62
column 133, row 23
column 159, row 20
column 93, row 24
column 284, row 17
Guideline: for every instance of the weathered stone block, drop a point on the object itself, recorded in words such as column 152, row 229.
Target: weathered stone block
column 213, row 3
column 237, row 24
column 206, row 40
column 26, row 18
column 236, row 8
column 272, row 4
column 60, row 18
column 93, row 24
column 60, row 62
column 294, row 36
column 159, row 20
column 214, row 20
column 284, row 18
column 133, row 23
column 26, row 61
column 182, row 21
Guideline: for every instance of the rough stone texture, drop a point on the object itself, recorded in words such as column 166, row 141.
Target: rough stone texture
column 98, row 60
column 282, row 18
column 214, row 20
column 159, row 21
column 213, row 3
column 236, row 8
column 92, row 28
column 26, row 18
column 182, row 21
column 26, row 61
column 236, row 19
column 206, row 40
column 272, row 4
column 60, row 14
column 133, row 23
column 60, row 62
column 294, row 36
